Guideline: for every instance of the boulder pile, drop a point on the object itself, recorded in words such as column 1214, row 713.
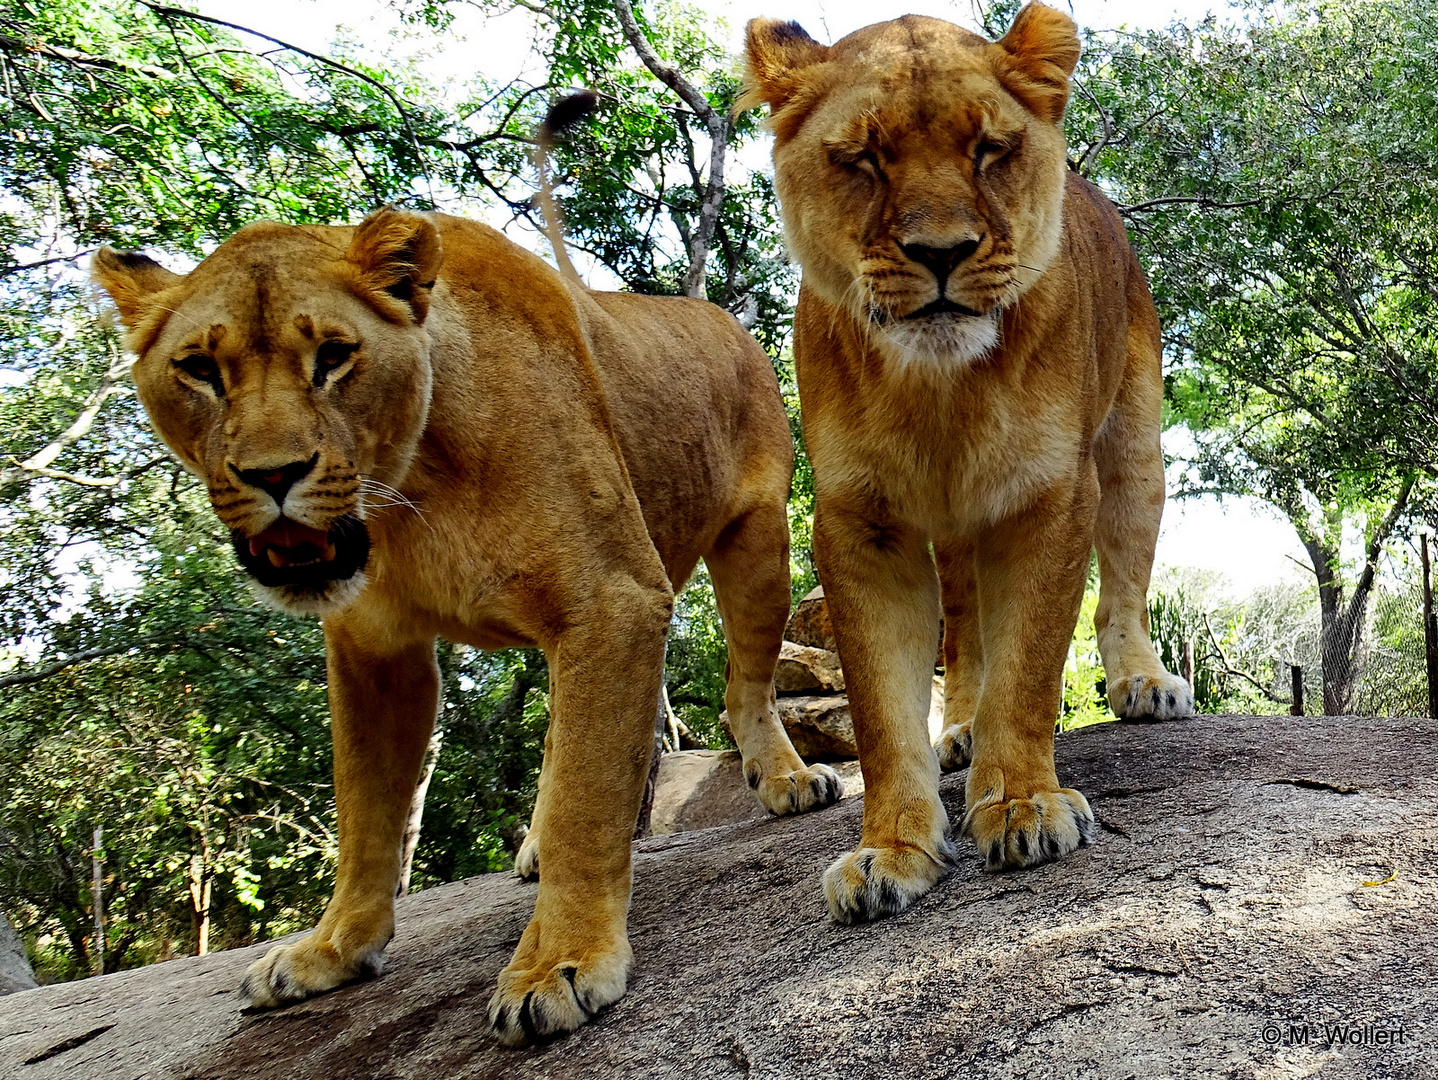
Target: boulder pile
column 699, row 789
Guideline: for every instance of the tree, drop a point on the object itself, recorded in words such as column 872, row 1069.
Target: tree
column 1280, row 182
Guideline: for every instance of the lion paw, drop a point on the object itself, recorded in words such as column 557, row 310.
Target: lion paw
column 1151, row 697
column 551, row 999
column 873, row 882
column 955, row 746
column 795, row 792
column 305, row 968
column 1027, row 832
column 526, row 860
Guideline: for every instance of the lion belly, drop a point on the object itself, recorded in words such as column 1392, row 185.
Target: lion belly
column 697, row 411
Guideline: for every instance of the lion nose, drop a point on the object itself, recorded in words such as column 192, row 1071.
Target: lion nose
column 276, row 480
column 941, row 262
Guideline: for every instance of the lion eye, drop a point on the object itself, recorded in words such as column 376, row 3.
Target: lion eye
column 987, row 153
column 203, row 369
column 868, row 161
column 330, row 356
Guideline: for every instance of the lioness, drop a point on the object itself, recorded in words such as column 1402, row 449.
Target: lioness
column 978, row 365
column 415, row 428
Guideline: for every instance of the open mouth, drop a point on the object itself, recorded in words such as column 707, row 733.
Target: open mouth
column 288, row 553
column 943, row 306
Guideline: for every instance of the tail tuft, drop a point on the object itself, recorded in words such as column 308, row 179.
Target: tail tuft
column 565, row 113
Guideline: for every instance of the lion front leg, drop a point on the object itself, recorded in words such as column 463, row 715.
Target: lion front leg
column 573, row 958
column 382, row 709
column 883, row 594
column 1030, row 572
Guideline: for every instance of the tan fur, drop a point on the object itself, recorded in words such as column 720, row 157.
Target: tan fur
column 1009, row 426
column 535, row 465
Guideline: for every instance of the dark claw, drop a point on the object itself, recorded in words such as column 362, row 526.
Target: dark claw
column 501, row 1022
column 948, row 853
column 1049, row 845
column 569, row 973
column 1023, row 845
column 526, row 1020
column 888, row 898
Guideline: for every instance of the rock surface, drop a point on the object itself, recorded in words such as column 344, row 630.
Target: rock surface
column 703, row 789
column 802, row 669
column 1225, row 903
column 809, row 623
column 821, row 727
column 15, row 973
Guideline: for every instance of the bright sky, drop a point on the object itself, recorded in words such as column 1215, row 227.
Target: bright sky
column 1238, row 538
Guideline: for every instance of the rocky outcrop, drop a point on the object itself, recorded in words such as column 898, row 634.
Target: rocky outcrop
column 702, row 789
column 803, row 669
column 809, row 682
column 1261, row 888
column 809, row 623
column 15, row 973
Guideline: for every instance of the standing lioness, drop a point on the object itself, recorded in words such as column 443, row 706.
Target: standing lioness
column 978, row 365
column 415, row 428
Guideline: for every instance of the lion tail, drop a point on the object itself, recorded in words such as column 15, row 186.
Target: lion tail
column 563, row 114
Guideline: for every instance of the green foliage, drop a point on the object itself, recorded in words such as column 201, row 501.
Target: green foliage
column 1084, row 701
column 1280, row 189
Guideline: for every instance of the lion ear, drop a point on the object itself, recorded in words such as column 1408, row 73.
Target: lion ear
column 777, row 54
column 1043, row 47
column 397, row 254
column 132, row 280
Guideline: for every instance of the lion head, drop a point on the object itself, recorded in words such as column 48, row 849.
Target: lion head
column 920, row 168
column 290, row 371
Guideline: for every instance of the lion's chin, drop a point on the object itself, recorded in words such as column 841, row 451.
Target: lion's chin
column 315, row 601
column 944, row 341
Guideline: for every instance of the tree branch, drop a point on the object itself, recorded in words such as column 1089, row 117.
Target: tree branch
column 712, row 197
column 1201, row 201
column 1364, row 585
column 168, row 13
column 44, row 671
column 38, row 464
column 19, row 47
column 1229, row 669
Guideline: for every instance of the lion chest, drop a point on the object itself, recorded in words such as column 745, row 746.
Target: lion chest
column 947, row 460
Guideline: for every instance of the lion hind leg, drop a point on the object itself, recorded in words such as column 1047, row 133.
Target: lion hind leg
column 749, row 565
column 1130, row 467
column 963, row 653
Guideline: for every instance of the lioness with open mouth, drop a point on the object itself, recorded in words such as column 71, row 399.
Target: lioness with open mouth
column 414, row 428
column 978, row 366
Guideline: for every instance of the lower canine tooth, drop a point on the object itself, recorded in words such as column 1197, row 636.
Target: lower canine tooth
column 274, row 556
column 329, row 553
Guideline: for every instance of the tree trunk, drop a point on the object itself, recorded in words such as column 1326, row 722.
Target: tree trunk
column 97, row 898
column 416, row 810
column 1344, row 625
column 1430, row 632
column 199, row 885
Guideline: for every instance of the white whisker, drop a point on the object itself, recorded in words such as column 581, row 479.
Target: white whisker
column 378, row 495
